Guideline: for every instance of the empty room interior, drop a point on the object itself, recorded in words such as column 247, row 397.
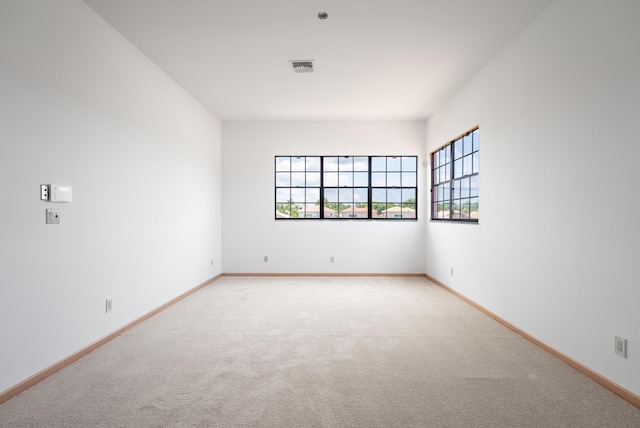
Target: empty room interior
column 165, row 134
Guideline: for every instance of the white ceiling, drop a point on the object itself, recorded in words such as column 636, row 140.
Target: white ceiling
column 374, row 59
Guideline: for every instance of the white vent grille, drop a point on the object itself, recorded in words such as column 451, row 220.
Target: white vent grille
column 302, row 66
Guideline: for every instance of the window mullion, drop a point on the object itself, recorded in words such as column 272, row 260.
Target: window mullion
column 321, row 214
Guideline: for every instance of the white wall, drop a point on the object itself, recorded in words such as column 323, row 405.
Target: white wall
column 556, row 249
column 304, row 246
column 81, row 106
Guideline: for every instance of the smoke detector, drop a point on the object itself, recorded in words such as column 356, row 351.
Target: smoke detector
column 301, row 66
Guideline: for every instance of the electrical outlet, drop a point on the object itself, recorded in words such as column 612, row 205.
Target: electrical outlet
column 266, row 259
column 44, row 192
column 452, row 271
column 331, row 259
column 621, row 346
column 108, row 305
column 211, row 262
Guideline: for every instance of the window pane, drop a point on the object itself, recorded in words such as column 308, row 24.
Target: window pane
column 408, row 195
column 360, row 179
column 346, row 210
column 457, row 149
column 474, row 186
column 409, row 211
column 313, row 195
column 330, row 164
column 464, row 208
column 283, row 179
column 394, row 196
column 464, row 188
column 313, row 163
column 298, row 195
column 345, row 195
column 361, row 163
column 377, row 208
column 297, row 179
column 361, row 197
column 378, row 179
column 282, row 211
column 378, row 163
column 444, row 153
column 456, row 209
column 283, row 163
column 331, row 195
column 311, row 211
column 393, row 163
column 331, row 179
column 474, row 209
column 298, row 164
column 393, row 179
column 345, row 179
column 330, row 212
column 313, row 179
column 456, row 189
column 457, row 168
column 408, row 179
column 476, row 142
column 346, row 163
column 409, row 164
column 379, row 195
column 447, row 171
column 466, row 168
column 476, row 162
column 468, row 144
column 283, row 195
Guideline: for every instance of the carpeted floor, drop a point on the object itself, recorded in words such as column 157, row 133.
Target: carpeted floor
column 319, row 352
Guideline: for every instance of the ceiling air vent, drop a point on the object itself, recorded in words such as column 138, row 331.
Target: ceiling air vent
column 302, row 66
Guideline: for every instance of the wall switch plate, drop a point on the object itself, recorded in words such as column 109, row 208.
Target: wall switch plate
column 53, row 216
column 266, row 259
column 621, row 346
column 108, row 305
column 331, row 259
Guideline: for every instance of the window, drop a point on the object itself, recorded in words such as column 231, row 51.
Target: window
column 454, row 179
column 346, row 187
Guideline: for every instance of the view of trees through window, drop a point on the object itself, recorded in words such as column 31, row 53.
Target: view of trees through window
column 346, row 187
column 455, row 172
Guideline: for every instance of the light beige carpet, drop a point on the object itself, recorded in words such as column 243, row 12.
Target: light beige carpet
column 319, row 352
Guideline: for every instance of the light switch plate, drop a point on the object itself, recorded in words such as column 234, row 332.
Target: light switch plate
column 53, row 216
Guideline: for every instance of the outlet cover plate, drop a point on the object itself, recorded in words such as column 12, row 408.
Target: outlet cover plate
column 44, row 192
column 621, row 346
column 53, row 216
